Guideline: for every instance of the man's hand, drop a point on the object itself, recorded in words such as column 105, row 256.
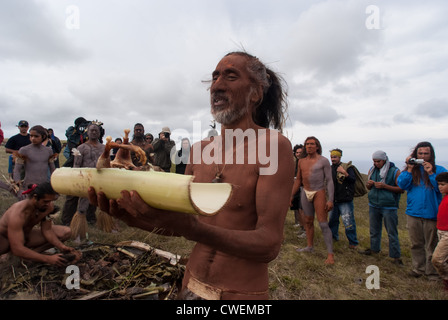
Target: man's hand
column 57, row 260
column 379, row 185
column 428, row 167
column 341, row 170
column 329, row 206
column 111, row 207
column 409, row 166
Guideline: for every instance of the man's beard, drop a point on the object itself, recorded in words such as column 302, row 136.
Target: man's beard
column 231, row 112
column 229, row 116
column 138, row 137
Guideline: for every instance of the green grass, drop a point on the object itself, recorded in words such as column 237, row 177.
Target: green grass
column 294, row 275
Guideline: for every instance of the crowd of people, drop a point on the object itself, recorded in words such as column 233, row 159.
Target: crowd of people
column 422, row 179
column 248, row 232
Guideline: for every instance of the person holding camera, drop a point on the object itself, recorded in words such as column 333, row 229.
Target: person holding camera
column 162, row 149
column 423, row 199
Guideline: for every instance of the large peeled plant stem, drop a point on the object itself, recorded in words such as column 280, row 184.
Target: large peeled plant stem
column 167, row 191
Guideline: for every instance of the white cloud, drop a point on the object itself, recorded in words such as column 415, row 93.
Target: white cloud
column 143, row 61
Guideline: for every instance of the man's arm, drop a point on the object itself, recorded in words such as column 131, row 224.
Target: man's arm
column 51, row 164
column 261, row 244
column 351, row 176
column 78, row 157
column 329, row 180
column 297, row 182
column 50, row 236
column 272, row 203
column 404, row 180
column 10, row 145
column 17, row 169
column 16, row 239
column 395, row 189
column 157, row 144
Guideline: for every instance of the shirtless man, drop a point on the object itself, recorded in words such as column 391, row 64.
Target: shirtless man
column 139, row 139
column 17, row 232
column 37, row 159
column 314, row 172
column 86, row 157
column 233, row 248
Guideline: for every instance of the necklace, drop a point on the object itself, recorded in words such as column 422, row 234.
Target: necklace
column 218, row 175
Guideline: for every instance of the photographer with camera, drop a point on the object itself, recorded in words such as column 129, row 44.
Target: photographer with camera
column 76, row 135
column 423, row 199
column 162, row 149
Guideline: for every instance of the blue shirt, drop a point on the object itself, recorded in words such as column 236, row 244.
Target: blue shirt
column 422, row 201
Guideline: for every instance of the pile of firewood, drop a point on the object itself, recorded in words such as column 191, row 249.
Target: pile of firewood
column 124, row 271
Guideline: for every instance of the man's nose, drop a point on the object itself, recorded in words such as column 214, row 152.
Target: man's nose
column 217, row 85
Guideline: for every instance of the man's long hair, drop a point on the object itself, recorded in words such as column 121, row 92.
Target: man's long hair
column 417, row 175
column 303, row 154
column 272, row 109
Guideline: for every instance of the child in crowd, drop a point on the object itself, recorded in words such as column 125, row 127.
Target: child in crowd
column 440, row 255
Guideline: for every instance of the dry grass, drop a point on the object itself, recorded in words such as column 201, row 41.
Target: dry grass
column 304, row 276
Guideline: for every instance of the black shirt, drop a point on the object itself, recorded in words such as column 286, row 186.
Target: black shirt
column 18, row 141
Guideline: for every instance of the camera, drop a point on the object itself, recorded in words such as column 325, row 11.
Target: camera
column 415, row 161
column 167, row 135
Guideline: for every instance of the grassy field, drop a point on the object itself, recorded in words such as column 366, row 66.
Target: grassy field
column 303, row 276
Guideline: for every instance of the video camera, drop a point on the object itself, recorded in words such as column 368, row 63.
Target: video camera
column 415, row 161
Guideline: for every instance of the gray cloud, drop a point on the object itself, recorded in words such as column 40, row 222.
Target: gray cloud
column 330, row 39
column 434, row 108
column 30, row 34
column 143, row 61
column 403, row 118
column 314, row 114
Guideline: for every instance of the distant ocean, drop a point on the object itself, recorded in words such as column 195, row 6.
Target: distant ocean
column 364, row 166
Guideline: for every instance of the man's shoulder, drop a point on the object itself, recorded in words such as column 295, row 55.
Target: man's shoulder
column 15, row 211
column 83, row 147
column 17, row 138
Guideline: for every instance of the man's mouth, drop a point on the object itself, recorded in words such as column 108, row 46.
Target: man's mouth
column 219, row 101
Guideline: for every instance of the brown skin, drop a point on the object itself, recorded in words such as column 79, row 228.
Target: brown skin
column 18, row 235
column 321, row 205
column 235, row 246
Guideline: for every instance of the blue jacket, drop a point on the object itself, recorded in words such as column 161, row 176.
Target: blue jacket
column 422, row 202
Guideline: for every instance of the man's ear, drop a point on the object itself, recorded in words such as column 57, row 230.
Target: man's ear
column 256, row 96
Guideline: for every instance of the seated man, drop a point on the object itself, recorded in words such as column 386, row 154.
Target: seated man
column 17, row 232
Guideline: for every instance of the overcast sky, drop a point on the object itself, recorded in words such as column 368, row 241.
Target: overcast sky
column 361, row 75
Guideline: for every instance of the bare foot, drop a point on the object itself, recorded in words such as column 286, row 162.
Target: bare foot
column 330, row 259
